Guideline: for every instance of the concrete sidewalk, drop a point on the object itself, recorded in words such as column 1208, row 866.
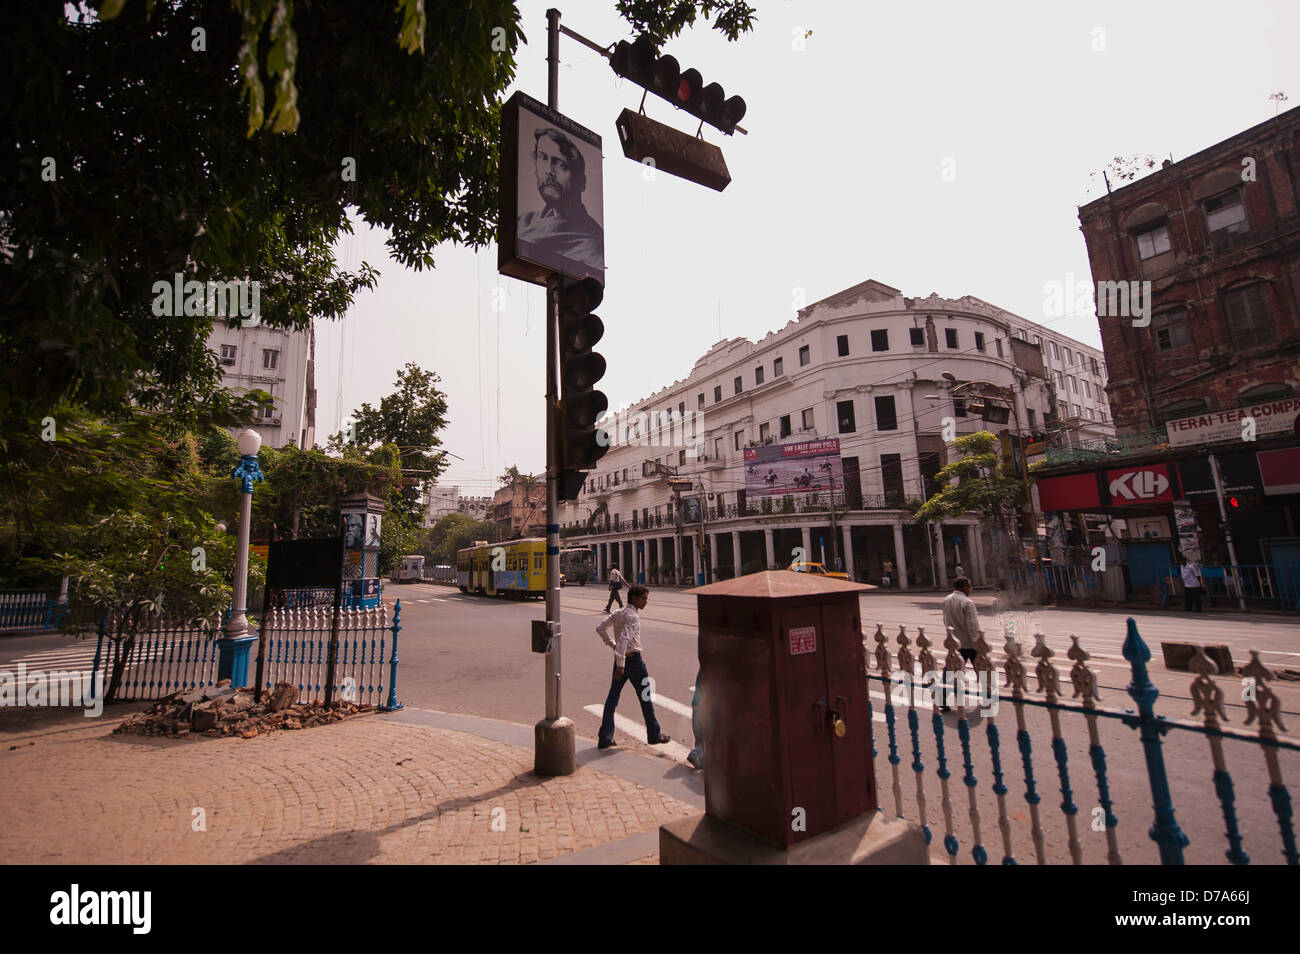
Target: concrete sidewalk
column 408, row 787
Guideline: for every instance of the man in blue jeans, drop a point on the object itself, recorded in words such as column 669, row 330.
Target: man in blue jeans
column 628, row 664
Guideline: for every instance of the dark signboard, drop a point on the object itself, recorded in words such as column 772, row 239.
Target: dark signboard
column 304, row 563
column 552, row 216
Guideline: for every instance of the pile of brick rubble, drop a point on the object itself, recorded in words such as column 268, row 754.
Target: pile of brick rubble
column 224, row 711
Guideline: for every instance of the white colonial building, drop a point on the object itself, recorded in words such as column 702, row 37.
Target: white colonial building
column 280, row 362
column 884, row 375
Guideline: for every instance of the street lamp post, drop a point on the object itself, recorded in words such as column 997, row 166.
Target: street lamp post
column 233, row 650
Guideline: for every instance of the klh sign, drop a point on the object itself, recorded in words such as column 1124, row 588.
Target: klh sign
column 1139, row 485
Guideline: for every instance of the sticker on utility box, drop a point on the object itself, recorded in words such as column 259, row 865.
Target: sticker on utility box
column 803, row 639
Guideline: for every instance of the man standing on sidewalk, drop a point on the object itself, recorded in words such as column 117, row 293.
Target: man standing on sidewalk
column 960, row 615
column 1191, row 574
column 615, row 584
column 628, row 664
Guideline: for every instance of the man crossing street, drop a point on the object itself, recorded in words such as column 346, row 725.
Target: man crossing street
column 628, row 664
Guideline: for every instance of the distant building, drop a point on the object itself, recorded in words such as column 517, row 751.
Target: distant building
column 441, row 500
column 476, row 507
column 885, row 376
column 280, row 362
column 518, row 511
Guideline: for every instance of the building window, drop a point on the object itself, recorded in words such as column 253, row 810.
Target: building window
column 681, row 458
column 1031, row 417
column 785, row 426
column 886, row 417
column 842, row 345
column 959, row 407
column 1038, row 340
column 844, row 411
column 699, row 400
column 740, row 438
column 805, row 355
column 1152, row 242
column 1088, row 412
column 950, row 337
column 758, row 375
column 1095, row 369
column 979, row 341
column 1078, row 411
column 624, row 475
column 916, row 336
column 880, row 339
column 1248, row 316
column 764, row 432
column 1060, row 380
column 1087, row 388
column 778, row 367
column 1225, row 215
column 681, row 409
column 998, row 342
column 717, row 448
column 738, row 384
column 228, row 353
column 1056, row 352
column 808, row 419
column 1074, row 383
column 717, row 394
column 1069, row 358
column 269, row 359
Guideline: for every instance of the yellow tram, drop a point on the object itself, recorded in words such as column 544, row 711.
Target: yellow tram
column 520, row 572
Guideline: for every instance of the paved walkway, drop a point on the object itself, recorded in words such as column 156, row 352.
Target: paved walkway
column 410, row 787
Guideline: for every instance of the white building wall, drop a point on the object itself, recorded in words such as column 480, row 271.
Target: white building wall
column 291, row 382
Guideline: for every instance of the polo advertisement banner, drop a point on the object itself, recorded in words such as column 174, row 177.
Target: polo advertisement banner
column 805, row 467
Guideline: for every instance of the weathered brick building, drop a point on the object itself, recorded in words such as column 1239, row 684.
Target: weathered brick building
column 1197, row 272
column 1218, row 237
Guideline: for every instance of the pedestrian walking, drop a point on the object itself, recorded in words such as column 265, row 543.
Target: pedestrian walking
column 1192, row 585
column 961, row 616
column 696, row 755
column 959, row 571
column 615, row 584
column 625, row 640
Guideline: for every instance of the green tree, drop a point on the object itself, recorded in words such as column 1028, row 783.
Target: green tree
column 138, row 141
column 974, row 482
column 455, row 531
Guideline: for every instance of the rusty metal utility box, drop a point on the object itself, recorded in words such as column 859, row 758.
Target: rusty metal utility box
column 787, row 743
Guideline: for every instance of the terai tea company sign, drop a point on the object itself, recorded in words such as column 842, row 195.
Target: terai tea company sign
column 1277, row 416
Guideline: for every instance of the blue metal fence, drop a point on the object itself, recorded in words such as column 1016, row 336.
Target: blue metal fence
column 164, row 658
column 1262, row 709
column 1248, row 581
column 30, row 609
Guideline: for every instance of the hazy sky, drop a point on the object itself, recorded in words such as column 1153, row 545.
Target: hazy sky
column 841, row 178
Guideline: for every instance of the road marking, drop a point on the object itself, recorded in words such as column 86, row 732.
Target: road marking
column 672, row 705
column 674, row 750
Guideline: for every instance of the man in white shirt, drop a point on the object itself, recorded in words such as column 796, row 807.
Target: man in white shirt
column 615, row 584
column 628, row 665
column 960, row 615
column 1192, row 586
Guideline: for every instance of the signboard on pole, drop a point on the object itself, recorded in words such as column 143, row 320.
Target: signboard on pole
column 804, row 467
column 552, row 217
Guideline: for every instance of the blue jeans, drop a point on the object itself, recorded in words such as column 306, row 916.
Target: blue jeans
column 634, row 670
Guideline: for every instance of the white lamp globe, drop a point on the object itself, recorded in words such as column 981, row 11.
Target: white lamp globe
column 250, row 442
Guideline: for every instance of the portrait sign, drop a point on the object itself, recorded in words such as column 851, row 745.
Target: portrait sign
column 552, row 211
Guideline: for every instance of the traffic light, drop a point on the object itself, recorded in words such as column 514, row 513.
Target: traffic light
column 581, row 405
column 640, row 62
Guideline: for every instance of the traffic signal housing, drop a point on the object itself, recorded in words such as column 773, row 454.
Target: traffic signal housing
column 640, row 62
column 581, row 405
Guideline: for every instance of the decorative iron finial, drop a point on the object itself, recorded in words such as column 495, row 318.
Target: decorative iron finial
column 1206, row 694
column 1082, row 677
column 1048, row 677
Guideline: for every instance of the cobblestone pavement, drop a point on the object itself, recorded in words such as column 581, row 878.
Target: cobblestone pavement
column 367, row 790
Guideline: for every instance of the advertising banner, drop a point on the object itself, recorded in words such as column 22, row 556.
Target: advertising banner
column 552, row 215
column 801, row 468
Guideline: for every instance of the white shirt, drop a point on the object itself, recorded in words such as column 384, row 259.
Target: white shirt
column 1191, row 574
column 627, row 632
column 960, row 571
column 615, row 577
column 960, row 615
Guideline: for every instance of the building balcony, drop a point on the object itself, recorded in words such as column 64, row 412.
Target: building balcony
column 1108, row 448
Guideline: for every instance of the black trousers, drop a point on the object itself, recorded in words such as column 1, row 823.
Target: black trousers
column 1192, row 598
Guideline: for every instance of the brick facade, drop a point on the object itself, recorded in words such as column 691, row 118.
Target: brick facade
column 1224, row 322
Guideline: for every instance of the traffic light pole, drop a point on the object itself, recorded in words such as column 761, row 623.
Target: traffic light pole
column 554, row 738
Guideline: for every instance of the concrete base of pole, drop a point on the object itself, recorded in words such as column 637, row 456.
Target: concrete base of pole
column 554, row 747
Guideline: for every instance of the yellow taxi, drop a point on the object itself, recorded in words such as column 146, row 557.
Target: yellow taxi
column 819, row 569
